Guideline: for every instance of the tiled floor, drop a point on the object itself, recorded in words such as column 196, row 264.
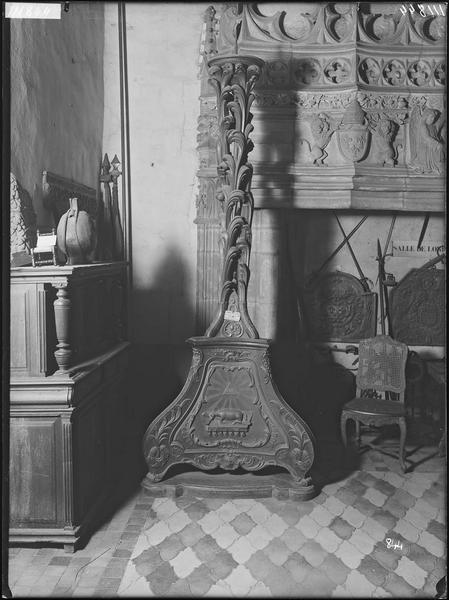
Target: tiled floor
column 376, row 533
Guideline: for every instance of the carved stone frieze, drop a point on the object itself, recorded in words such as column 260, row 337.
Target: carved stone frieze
column 337, row 308
column 417, row 308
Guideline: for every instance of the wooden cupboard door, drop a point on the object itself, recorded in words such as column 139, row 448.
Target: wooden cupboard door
column 89, row 455
column 36, row 491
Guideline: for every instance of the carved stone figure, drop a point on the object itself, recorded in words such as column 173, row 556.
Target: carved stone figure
column 427, row 148
column 382, row 151
column 322, row 129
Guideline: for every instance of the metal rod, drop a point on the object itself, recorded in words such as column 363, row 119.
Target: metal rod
column 356, row 262
column 390, row 232
column 340, row 246
column 381, row 291
column 423, row 230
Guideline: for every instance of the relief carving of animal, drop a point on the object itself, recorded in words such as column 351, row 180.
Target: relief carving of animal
column 225, row 417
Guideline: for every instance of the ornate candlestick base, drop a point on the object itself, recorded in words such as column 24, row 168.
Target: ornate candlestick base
column 229, row 414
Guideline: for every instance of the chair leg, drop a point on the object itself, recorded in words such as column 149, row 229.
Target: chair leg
column 343, row 422
column 357, row 434
column 403, row 429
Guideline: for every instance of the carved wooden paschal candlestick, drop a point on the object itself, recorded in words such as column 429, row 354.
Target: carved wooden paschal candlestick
column 229, row 413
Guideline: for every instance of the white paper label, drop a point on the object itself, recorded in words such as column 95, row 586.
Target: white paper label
column 231, row 315
column 32, row 10
column 401, row 248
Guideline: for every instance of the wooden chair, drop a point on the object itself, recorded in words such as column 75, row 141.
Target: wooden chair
column 380, row 382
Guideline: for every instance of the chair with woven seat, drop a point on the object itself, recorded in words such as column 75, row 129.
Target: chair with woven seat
column 380, row 382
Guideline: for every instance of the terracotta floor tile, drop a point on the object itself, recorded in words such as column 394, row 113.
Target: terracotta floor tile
column 200, row 581
column 170, row 547
column 185, row 562
column 431, row 543
column 308, row 527
column 353, row 516
column 322, row 515
column 240, row 581
column 317, row 584
column 373, row 570
column 313, row 553
column 404, row 498
column 282, row 584
column 241, row 550
column 260, row 590
column 437, row 529
column 341, row 528
column 297, row 566
column 222, row 564
column 260, row 565
column 243, row 523
column 398, row 587
column 197, row 510
column 205, row 548
column 328, row 540
column 349, row 555
column 395, row 508
column 387, row 557
column 362, row 541
column 407, row 530
column 225, row 535
column 365, row 506
column 277, row 551
column 384, row 518
column 358, row 585
column 191, row 534
column 422, row 557
column 293, row 538
column 179, row 589
column 411, row 573
column 161, row 579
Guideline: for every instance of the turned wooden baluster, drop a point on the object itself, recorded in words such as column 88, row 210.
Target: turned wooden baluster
column 62, row 307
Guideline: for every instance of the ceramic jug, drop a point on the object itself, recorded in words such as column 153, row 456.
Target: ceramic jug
column 76, row 236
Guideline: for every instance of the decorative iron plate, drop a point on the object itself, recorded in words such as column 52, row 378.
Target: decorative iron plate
column 417, row 308
column 337, row 308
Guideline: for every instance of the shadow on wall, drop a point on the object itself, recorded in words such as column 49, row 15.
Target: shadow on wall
column 162, row 317
column 314, row 386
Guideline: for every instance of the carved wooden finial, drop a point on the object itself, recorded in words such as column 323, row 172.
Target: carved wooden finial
column 106, row 165
column 115, row 173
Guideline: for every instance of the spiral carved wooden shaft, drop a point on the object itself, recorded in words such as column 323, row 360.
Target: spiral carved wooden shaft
column 233, row 79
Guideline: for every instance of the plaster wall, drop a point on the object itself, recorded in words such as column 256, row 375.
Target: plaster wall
column 163, row 42
column 57, row 99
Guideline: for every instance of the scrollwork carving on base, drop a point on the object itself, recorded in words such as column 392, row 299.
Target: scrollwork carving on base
column 229, row 415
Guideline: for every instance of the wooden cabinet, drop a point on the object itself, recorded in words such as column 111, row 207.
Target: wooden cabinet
column 68, row 397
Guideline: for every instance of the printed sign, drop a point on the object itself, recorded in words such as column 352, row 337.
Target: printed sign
column 32, row 10
column 428, row 249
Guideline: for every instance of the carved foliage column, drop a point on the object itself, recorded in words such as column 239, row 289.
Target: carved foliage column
column 234, row 79
column 229, row 413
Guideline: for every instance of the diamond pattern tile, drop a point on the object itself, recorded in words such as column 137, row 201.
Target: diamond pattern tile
column 338, row 544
